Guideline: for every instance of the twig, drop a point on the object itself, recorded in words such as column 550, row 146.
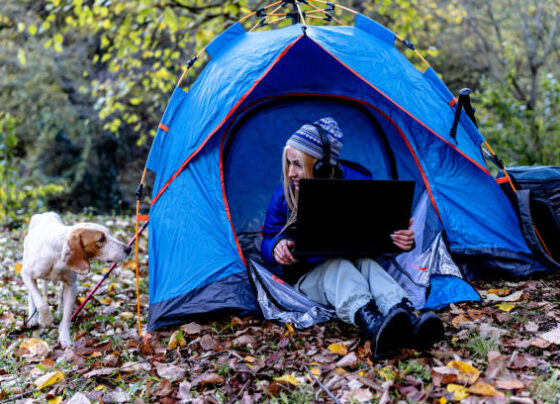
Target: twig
column 21, row 395
column 331, row 395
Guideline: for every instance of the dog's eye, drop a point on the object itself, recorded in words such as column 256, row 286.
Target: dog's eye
column 102, row 238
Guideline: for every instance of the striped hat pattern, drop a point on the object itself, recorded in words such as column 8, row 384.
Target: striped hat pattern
column 308, row 140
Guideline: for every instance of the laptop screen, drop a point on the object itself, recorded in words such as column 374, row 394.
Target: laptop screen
column 351, row 217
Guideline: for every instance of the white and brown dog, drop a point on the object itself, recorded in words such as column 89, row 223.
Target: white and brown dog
column 55, row 252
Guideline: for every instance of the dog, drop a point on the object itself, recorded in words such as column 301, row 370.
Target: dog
column 55, row 252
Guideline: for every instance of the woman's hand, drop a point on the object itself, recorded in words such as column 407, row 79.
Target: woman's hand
column 404, row 239
column 282, row 253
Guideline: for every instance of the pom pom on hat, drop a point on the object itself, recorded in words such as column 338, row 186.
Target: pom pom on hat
column 307, row 139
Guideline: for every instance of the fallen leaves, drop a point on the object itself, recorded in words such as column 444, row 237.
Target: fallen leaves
column 492, row 348
column 33, row 349
column 552, row 336
column 467, row 374
column 48, row 379
column 339, row 349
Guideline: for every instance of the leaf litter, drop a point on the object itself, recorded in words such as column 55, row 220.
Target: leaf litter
column 506, row 347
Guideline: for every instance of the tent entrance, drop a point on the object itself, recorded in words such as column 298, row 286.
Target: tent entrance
column 251, row 153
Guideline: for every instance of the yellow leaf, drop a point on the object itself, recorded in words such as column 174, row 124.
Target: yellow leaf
column 388, row 373
column 288, row 379
column 442, row 400
column 17, row 269
column 289, row 330
column 484, row 389
column 129, row 265
column 499, row 292
column 56, row 400
column 339, row 349
column 100, row 387
column 459, row 392
column 315, row 371
column 32, row 29
column 506, row 306
column 49, row 379
column 95, row 354
column 106, row 300
column 81, row 299
column 458, row 320
column 467, row 373
column 249, row 359
column 21, row 57
column 112, row 288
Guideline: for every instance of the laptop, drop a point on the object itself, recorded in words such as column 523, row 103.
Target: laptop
column 351, row 217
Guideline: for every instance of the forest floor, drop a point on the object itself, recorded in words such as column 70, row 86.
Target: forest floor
column 503, row 349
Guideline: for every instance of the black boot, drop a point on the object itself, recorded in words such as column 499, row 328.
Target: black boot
column 427, row 328
column 386, row 333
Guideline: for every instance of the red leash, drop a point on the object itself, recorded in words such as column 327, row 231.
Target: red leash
column 113, row 265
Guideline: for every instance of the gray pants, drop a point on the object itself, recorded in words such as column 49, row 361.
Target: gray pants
column 348, row 285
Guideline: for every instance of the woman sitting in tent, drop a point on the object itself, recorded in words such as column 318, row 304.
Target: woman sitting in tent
column 361, row 292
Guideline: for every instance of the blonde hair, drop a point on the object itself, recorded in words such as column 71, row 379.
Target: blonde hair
column 289, row 192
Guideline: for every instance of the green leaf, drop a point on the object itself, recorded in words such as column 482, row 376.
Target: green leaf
column 170, row 19
column 21, row 57
column 11, row 141
column 32, row 29
column 58, row 38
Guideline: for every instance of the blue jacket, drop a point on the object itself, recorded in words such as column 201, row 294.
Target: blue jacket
column 277, row 213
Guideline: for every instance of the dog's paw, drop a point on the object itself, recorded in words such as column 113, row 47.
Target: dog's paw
column 45, row 317
column 33, row 321
column 64, row 341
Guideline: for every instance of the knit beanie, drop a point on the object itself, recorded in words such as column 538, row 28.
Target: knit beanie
column 308, row 139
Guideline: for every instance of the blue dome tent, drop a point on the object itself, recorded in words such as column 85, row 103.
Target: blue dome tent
column 217, row 157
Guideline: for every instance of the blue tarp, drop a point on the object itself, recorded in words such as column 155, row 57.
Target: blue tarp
column 224, row 145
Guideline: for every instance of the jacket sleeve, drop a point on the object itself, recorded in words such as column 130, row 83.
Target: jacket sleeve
column 276, row 218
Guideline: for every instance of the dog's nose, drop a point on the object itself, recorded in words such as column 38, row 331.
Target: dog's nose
column 127, row 250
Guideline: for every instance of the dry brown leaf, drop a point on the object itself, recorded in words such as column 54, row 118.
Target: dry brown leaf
column 171, row 372
column 359, row 395
column 540, row 343
column 162, row 389
column 126, row 315
column 349, row 360
column 510, row 384
column 552, row 336
column 33, row 349
column 523, row 361
column 468, row 374
column 484, row 389
column 245, row 340
column 442, row 375
column 208, row 343
column 208, row 378
column 191, row 329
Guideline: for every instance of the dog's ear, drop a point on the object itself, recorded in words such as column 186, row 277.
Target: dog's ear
column 74, row 254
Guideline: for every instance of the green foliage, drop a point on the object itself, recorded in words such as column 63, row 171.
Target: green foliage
column 86, row 82
column 546, row 389
column 17, row 195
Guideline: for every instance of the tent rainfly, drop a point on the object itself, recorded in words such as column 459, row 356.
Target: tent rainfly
column 217, row 156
